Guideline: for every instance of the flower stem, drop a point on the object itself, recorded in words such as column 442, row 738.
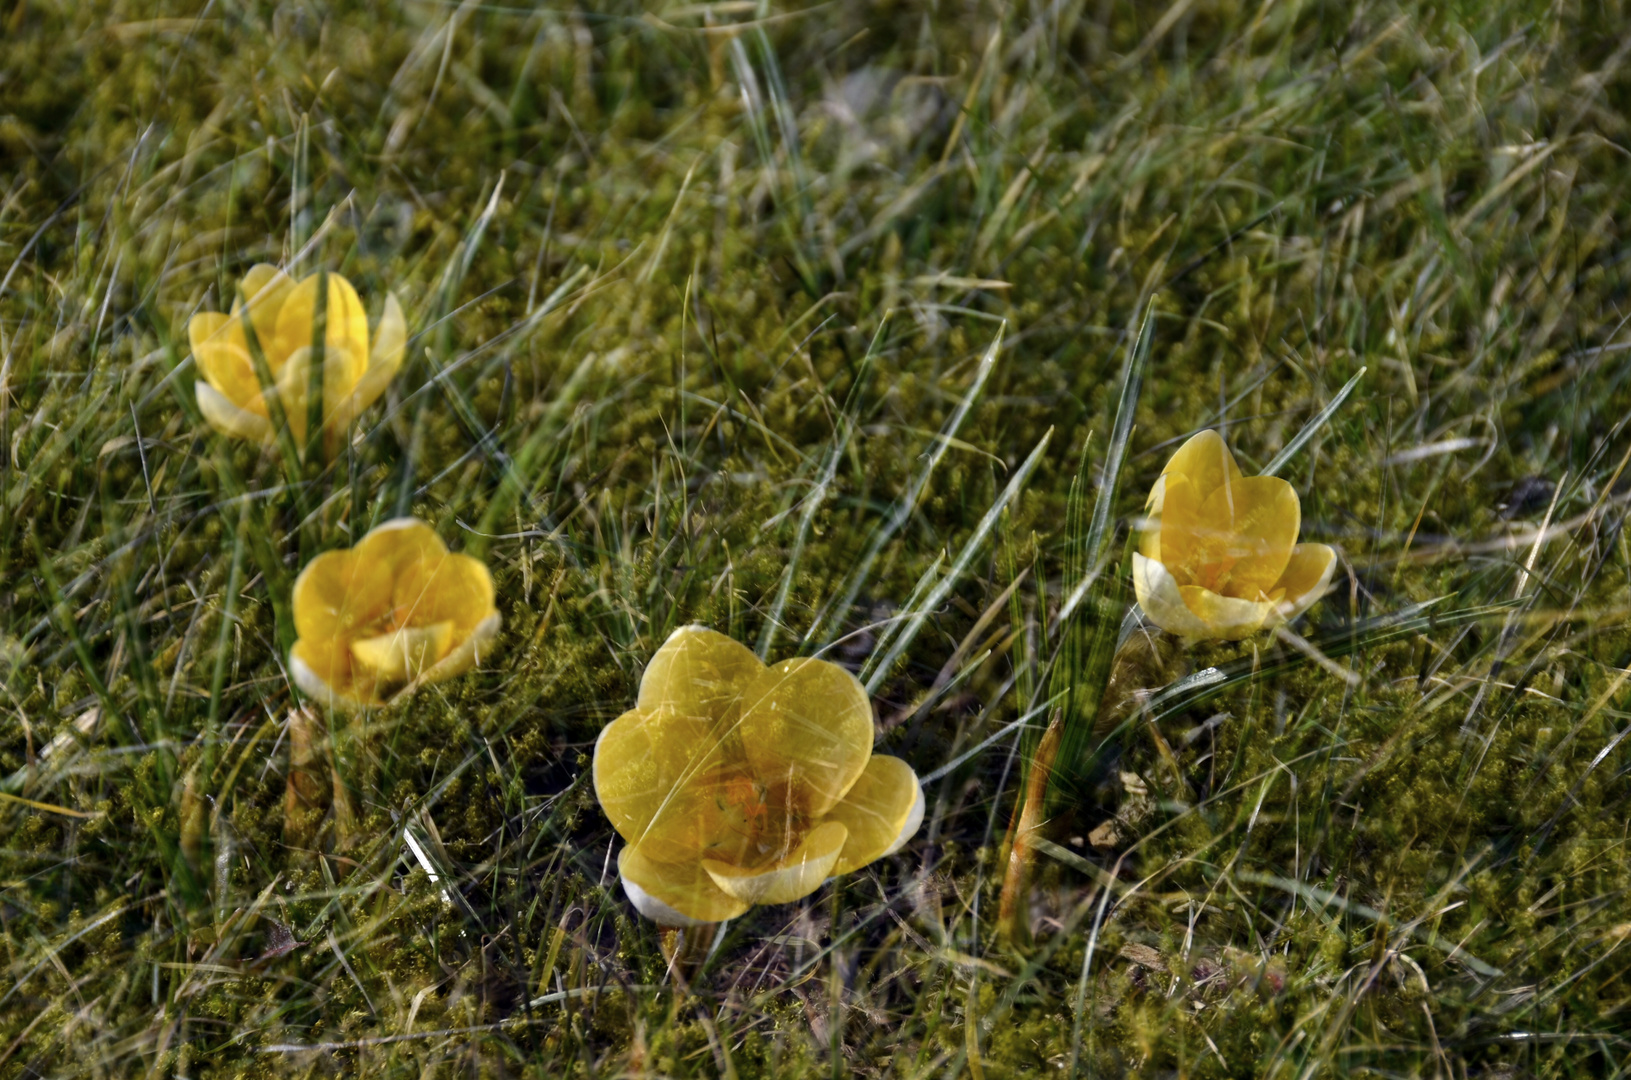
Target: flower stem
column 307, row 793
column 685, row 948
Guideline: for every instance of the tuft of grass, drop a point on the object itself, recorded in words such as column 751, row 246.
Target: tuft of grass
column 762, row 317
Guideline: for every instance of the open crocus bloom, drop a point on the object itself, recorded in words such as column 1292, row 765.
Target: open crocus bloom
column 1219, row 556
column 391, row 614
column 738, row 784
column 282, row 313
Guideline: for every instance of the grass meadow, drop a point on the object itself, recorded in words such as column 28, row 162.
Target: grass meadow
column 851, row 328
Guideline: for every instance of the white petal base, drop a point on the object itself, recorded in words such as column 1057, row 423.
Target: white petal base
column 654, row 909
column 914, row 821
column 1163, row 603
column 793, row 878
column 228, row 418
column 1232, row 619
column 1292, row 606
column 312, row 685
column 466, row 656
column 460, row 660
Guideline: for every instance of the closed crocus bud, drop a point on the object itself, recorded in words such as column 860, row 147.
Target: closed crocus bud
column 393, row 613
column 1219, row 558
column 737, row 784
column 282, row 313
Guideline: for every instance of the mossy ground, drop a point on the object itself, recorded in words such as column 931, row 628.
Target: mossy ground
column 693, row 290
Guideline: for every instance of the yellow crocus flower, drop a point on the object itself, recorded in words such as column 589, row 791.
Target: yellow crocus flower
column 389, row 615
column 1219, row 558
column 282, row 312
column 737, row 784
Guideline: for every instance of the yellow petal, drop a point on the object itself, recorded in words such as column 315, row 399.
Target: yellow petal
column 266, row 288
column 641, row 757
column 1205, row 461
column 345, row 354
column 327, row 660
column 324, row 672
column 1179, row 535
column 701, row 673
column 807, row 724
column 403, row 654
column 1149, row 536
column 1251, row 527
column 390, row 345
column 451, row 588
column 467, row 653
column 204, row 326
column 397, row 543
column 222, row 358
column 1162, row 599
column 792, row 878
column 337, row 595
column 1305, row 580
column 679, row 798
column 629, row 780
column 294, row 385
column 673, row 894
column 228, row 418
column 1226, row 618
column 881, row 812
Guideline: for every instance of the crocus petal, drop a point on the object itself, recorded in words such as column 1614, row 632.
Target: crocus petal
column 399, row 542
column 1177, row 537
column 228, row 418
column 1227, row 618
column 344, row 358
column 1254, row 523
column 700, row 673
column 390, row 339
column 323, row 673
column 221, row 355
column 1149, row 536
column 445, row 588
column 1307, row 576
column 338, row 594
column 403, row 653
column 628, row 778
column 204, row 326
column 390, row 345
column 266, row 288
column 294, row 386
column 913, row 822
column 807, row 724
column 1160, row 595
column 791, row 878
column 467, row 653
column 291, row 386
column 673, row 894
column 1205, row 461
column 345, row 340
column 644, row 755
column 881, row 812
column 680, row 800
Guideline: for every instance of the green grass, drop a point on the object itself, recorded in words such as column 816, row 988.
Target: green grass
column 697, row 296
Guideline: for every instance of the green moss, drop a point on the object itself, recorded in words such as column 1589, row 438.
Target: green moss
column 1316, row 187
